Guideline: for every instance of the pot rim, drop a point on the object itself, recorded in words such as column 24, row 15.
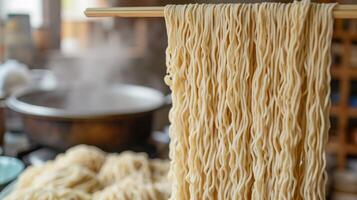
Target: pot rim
column 21, row 107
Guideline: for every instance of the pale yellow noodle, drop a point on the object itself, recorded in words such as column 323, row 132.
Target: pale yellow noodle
column 159, row 170
column 250, row 90
column 48, row 194
column 120, row 166
column 26, row 179
column 87, row 156
column 130, row 189
column 73, row 175
column 134, row 176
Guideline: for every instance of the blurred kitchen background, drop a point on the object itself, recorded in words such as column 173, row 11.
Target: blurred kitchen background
column 51, row 44
column 55, row 64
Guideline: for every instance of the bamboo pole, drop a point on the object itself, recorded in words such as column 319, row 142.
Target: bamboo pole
column 342, row 11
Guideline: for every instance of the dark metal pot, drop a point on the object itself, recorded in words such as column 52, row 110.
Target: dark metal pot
column 112, row 118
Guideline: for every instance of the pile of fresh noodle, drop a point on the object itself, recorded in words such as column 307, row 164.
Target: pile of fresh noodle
column 85, row 173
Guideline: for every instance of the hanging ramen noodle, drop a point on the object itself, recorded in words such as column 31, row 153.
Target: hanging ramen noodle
column 250, row 90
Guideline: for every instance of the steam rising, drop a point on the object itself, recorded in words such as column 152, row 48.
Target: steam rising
column 98, row 65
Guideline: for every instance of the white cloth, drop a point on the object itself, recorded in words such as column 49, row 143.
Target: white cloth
column 13, row 75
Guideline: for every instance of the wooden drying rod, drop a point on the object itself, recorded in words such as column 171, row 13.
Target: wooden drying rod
column 341, row 11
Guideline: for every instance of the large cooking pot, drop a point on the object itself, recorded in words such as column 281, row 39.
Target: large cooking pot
column 112, row 117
